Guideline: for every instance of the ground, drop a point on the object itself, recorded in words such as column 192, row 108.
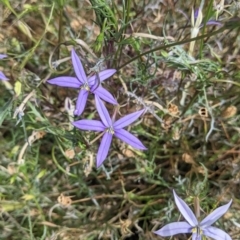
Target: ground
column 50, row 187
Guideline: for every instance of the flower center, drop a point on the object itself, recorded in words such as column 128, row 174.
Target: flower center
column 197, row 230
column 86, row 86
column 110, row 130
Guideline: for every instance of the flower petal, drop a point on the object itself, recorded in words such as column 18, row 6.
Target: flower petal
column 95, row 85
column 105, row 95
column 104, row 148
column 103, row 75
column 93, row 125
column 213, row 22
column 174, row 228
column 216, row 233
column 215, row 215
column 196, row 13
column 3, row 56
column 78, row 67
column 103, row 112
column 127, row 120
column 65, row 82
column 81, row 102
column 128, row 138
column 185, row 210
column 3, row 77
column 196, row 236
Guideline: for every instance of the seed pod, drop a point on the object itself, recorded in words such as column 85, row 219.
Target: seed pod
column 203, row 112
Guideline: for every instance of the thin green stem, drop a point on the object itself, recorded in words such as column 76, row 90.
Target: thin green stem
column 204, row 27
column 26, row 59
column 60, row 31
column 126, row 13
column 58, row 165
column 172, row 45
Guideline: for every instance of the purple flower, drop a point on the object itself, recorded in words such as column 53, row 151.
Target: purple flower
column 85, row 84
column 110, row 128
column 210, row 22
column 191, row 225
column 2, row 76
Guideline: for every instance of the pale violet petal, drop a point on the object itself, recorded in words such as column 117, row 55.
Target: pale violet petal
column 212, row 22
column 185, row 210
column 103, row 75
column 93, row 125
column 174, row 228
column 128, row 138
column 216, row 233
column 104, row 148
column 196, row 236
column 103, row 112
column 127, row 120
column 95, row 85
column 78, row 67
column 92, row 79
column 3, row 77
column 3, row 56
column 81, row 102
column 215, row 215
column 65, row 82
column 105, row 95
column 196, row 13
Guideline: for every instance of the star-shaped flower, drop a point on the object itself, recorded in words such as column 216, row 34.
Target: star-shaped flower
column 85, row 84
column 191, row 225
column 110, row 128
column 2, row 76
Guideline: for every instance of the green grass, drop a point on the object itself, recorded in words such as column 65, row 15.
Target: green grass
column 49, row 186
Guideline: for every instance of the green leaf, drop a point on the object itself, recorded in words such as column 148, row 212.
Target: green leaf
column 4, row 111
